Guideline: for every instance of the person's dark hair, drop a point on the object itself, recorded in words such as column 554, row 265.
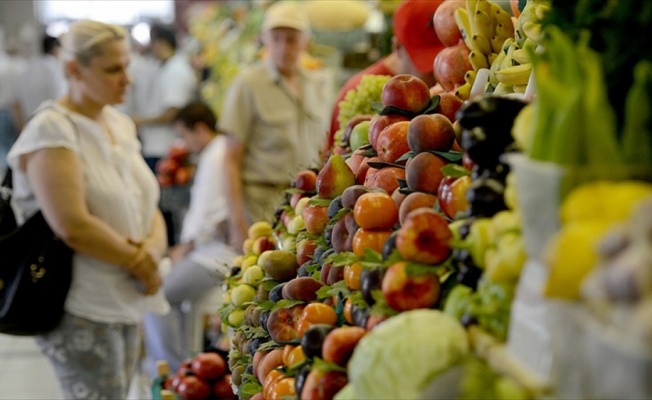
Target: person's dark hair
column 194, row 113
column 49, row 44
column 164, row 33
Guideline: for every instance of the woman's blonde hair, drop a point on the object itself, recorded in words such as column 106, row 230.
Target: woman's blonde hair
column 85, row 38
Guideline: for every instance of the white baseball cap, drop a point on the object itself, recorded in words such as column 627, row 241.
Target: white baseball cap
column 286, row 14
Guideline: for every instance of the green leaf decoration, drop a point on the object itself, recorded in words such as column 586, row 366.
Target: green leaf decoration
column 286, row 303
column 316, row 201
column 373, row 256
column 370, row 152
column 455, row 171
column 451, row 155
column 250, row 388
column 326, row 366
column 380, row 306
column 431, row 108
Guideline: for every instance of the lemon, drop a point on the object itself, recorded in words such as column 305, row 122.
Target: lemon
column 571, row 254
column 612, row 201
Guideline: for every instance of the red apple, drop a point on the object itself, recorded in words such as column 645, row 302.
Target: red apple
column 392, row 142
column 406, row 92
column 355, row 160
column 451, row 65
column 424, row 237
column 448, row 105
column 315, row 218
column 361, row 175
column 452, row 195
column 444, row 21
column 423, row 172
column 379, row 122
column 403, row 291
column 430, row 132
column 306, row 180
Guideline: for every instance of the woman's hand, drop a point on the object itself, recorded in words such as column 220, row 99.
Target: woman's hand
column 144, row 267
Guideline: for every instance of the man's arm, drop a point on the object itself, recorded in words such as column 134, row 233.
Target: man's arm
column 165, row 118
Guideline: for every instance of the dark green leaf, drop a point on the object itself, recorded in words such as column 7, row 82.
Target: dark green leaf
column 383, row 164
column 406, row 156
column 316, row 201
column 451, row 155
column 389, row 110
column 287, row 303
column 372, row 256
column 431, row 108
column 250, row 388
column 325, row 366
column 370, row 152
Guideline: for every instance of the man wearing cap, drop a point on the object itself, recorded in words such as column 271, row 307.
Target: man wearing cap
column 277, row 111
column 414, row 48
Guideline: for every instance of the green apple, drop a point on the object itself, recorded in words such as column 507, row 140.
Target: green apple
column 359, row 135
column 296, row 225
column 236, row 317
column 253, row 275
column 242, row 294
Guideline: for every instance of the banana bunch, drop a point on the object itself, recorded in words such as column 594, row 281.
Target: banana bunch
column 484, row 26
column 510, row 70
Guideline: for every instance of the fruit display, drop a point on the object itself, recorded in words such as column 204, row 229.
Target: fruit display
column 393, row 270
column 204, row 376
column 176, row 168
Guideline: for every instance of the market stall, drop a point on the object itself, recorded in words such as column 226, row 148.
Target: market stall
column 491, row 241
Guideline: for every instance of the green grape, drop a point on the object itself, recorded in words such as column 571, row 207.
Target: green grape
column 360, row 100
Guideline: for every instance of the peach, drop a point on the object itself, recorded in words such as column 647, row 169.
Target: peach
column 424, row 237
column 315, row 218
column 448, row 105
column 414, row 201
column 444, row 22
column 398, row 197
column 320, row 385
column 452, row 195
column 303, row 288
column 306, row 180
column 385, row 178
column 305, row 250
column 339, row 344
column 430, row 132
column 451, row 65
column 270, row 361
column 423, row 172
column 282, row 324
column 343, row 231
column 403, row 291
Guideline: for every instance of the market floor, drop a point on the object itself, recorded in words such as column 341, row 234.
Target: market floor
column 26, row 374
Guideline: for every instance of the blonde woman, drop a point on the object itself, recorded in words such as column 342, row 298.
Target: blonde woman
column 78, row 160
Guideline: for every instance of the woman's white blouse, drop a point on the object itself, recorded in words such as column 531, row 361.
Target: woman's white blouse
column 120, row 190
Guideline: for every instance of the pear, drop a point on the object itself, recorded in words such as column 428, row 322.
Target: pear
column 280, row 265
column 334, row 177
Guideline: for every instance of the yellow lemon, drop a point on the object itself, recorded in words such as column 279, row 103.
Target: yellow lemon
column 571, row 254
column 612, row 201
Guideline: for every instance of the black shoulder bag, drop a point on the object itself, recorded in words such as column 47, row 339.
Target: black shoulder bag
column 35, row 271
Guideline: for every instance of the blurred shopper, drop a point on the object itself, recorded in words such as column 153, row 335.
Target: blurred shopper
column 43, row 79
column 414, row 48
column 201, row 260
column 9, row 72
column 78, row 160
column 276, row 111
column 173, row 85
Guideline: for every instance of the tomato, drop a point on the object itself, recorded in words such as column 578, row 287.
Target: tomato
column 319, row 313
column 348, row 311
column 352, row 275
column 270, row 381
column 369, row 239
column 283, row 388
column 375, row 210
column 208, row 365
column 194, row 388
column 286, row 352
column 295, row 357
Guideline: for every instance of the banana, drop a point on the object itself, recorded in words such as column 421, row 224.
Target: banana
column 491, row 58
column 504, row 24
column 480, row 44
column 521, row 56
column 519, row 88
column 464, row 91
column 516, row 75
column 483, row 24
column 507, row 60
column 470, row 7
column 484, row 6
column 507, row 43
column 469, row 77
column 478, row 60
column 533, row 31
column 464, row 25
column 495, row 8
column 495, row 66
column 497, row 44
column 502, row 89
